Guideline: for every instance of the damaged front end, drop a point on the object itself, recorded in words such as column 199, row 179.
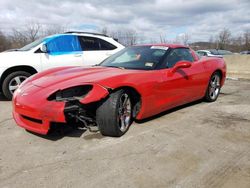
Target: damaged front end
column 81, row 103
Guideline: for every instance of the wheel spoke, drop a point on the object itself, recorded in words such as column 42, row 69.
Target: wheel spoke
column 125, row 101
column 211, row 92
column 13, row 88
column 122, row 123
column 218, row 82
column 18, row 81
column 124, row 112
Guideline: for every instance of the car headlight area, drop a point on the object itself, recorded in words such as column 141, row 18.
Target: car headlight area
column 76, row 92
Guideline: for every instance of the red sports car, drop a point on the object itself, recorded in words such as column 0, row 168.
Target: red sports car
column 136, row 83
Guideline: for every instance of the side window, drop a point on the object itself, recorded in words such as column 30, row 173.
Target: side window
column 106, row 45
column 63, row 44
column 89, row 43
column 202, row 53
column 198, row 55
column 178, row 54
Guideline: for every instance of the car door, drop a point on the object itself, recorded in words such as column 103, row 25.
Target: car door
column 179, row 87
column 62, row 50
column 199, row 78
column 95, row 49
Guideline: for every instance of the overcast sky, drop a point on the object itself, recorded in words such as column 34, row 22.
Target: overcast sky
column 150, row 18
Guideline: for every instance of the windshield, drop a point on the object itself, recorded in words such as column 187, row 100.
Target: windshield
column 214, row 51
column 31, row 45
column 137, row 57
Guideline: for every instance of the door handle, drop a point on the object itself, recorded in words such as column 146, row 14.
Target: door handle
column 78, row 55
column 108, row 54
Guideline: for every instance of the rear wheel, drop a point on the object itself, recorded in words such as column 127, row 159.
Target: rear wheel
column 213, row 89
column 114, row 116
column 12, row 82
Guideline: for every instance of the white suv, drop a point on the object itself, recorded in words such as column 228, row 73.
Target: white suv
column 68, row 49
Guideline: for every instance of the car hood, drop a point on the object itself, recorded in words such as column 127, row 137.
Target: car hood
column 78, row 75
column 10, row 53
column 8, row 57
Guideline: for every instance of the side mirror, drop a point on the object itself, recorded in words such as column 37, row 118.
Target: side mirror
column 44, row 48
column 181, row 64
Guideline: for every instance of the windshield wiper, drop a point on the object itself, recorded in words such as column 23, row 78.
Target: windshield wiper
column 116, row 67
column 12, row 50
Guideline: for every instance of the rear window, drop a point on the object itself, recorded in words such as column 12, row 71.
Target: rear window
column 93, row 44
column 106, row 45
column 89, row 43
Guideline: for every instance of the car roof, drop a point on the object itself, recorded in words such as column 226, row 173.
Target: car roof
column 78, row 33
column 85, row 33
column 203, row 51
column 166, row 45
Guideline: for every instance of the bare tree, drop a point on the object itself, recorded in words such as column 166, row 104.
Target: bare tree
column 125, row 36
column 32, row 31
column 182, row 39
column 152, row 40
column 185, row 38
column 18, row 38
column 53, row 29
column 224, row 38
column 237, row 43
column 29, row 33
column 104, row 31
column 177, row 40
column 246, row 38
column 163, row 39
column 211, row 42
column 4, row 42
column 131, row 36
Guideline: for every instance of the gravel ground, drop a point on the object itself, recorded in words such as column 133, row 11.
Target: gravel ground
column 197, row 145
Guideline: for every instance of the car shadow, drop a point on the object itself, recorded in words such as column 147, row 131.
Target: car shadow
column 2, row 98
column 64, row 131
column 67, row 131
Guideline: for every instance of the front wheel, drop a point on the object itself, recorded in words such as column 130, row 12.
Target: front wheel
column 114, row 116
column 12, row 82
column 213, row 89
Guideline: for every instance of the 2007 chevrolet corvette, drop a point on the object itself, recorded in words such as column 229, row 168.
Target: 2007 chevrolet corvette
column 136, row 83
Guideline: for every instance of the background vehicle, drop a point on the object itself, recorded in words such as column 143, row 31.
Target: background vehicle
column 68, row 49
column 245, row 52
column 214, row 53
column 135, row 83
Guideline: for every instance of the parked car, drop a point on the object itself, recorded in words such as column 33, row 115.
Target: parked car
column 135, row 83
column 214, row 53
column 245, row 52
column 68, row 49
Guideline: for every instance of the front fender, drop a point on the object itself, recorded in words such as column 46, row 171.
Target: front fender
column 97, row 93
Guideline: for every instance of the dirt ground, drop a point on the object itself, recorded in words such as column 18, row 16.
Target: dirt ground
column 198, row 145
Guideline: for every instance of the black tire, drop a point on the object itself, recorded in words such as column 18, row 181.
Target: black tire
column 5, row 88
column 107, row 115
column 214, row 86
